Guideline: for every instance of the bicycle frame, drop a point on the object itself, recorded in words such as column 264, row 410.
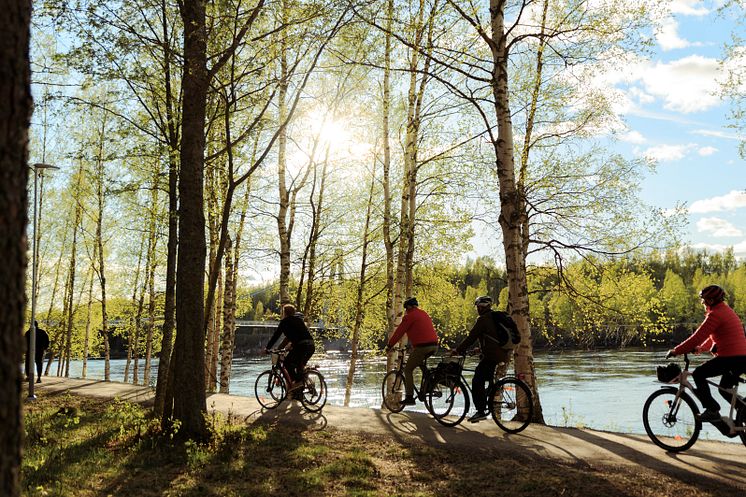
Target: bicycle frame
column 423, row 369
column 685, row 384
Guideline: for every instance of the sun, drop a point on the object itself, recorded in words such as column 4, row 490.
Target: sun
column 331, row 132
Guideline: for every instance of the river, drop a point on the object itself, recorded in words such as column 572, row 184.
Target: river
column 603, row 390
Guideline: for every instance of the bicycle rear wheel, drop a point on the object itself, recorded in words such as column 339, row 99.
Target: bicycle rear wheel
column 270, row 389
column 314, row 391
column 671, row 420
column 392, row 391
column 511, row 405
column 447, row 400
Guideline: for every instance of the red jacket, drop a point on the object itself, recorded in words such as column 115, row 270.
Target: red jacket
column 721, row 327
column 418, row 326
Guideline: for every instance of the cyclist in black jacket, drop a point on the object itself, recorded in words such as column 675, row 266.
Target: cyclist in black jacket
column 493, row 353
column 301, row 342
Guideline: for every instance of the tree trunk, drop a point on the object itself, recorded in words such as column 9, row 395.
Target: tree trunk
column 133, row 317
column 87, row 338
column 15, row 115
column 229, row 306
column 135, row 345
column 152, row 266
column 391, row 305
column 314, row 239
column 359, row 304
column 211, row 328
column 229, row 320
column 512, row 207
column 170, row 298
column 65, row 355
column 282, row 214
column 189, row 403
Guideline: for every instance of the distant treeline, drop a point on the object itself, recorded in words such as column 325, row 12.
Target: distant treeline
column 644, row 300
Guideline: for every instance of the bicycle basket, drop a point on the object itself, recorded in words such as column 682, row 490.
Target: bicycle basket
column 669, row 373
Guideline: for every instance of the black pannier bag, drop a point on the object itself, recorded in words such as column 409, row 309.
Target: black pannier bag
column 669, row 373
column 448, row 367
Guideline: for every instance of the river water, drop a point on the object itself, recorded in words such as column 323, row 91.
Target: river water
column 603, row 390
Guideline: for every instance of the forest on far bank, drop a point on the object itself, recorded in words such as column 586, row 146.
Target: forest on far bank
column 636, row 301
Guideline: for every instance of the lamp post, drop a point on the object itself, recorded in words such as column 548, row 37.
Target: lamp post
column 31, row 353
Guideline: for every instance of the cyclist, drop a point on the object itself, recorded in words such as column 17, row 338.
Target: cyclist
column 722, row 334
column 418, row 327
column 493, row 353
column 301, row 343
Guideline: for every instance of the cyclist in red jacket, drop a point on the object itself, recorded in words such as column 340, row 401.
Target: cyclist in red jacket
column 421, row 333
column 722, row 334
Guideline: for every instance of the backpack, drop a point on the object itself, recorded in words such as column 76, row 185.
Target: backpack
column 508, row 335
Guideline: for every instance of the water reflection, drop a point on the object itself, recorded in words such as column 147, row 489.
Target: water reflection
column 597, row 389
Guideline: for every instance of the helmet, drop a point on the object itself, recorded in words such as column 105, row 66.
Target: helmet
column 484, row 300
column 411, row 301
column 712, row 294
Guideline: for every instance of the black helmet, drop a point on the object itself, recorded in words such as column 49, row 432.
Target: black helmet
column 483, row 300
column 411, row 302
column 712, row 294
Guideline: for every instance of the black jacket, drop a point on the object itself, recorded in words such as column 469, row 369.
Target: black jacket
column 293, row 328
column 484, row 330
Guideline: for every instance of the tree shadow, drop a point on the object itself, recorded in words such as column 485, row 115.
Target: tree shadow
column 682, row 466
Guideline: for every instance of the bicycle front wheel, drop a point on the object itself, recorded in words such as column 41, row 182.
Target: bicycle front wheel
column 314, row 391
column 392, row 391
column 511, row 405
column 447, row 400
column 270, row 389
column 671, row 420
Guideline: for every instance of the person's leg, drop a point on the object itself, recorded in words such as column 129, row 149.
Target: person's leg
column 713, row 367
column 734, row 367
column 39, row 364
column 483, row 373
column 417, row 357
column 307, row 351
column 292, row 361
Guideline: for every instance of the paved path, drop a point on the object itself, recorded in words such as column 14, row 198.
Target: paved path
column 712, row 462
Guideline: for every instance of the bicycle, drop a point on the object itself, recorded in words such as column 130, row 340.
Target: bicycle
column 393, row 386
column 671, row 416
column 505, row 396
column 271, row 387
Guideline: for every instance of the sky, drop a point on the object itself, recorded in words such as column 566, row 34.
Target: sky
column 675, row 117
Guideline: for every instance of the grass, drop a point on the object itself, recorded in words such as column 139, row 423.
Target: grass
column 84, row 447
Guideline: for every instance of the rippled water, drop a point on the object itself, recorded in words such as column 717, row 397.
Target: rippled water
column 597, row 389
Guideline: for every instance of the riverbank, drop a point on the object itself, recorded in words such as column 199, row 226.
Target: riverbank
column 412, row 455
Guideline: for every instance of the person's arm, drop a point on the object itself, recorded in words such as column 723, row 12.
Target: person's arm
column 403, row 327
column 469, row 340
column 700, row 336
column 274, row 338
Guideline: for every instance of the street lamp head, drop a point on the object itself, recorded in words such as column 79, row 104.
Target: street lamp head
column 39, row 165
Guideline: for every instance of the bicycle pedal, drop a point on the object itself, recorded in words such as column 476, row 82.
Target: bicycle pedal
column 723, row 427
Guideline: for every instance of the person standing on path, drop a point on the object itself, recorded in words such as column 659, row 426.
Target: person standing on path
column 418, row 327
column 42, row 344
